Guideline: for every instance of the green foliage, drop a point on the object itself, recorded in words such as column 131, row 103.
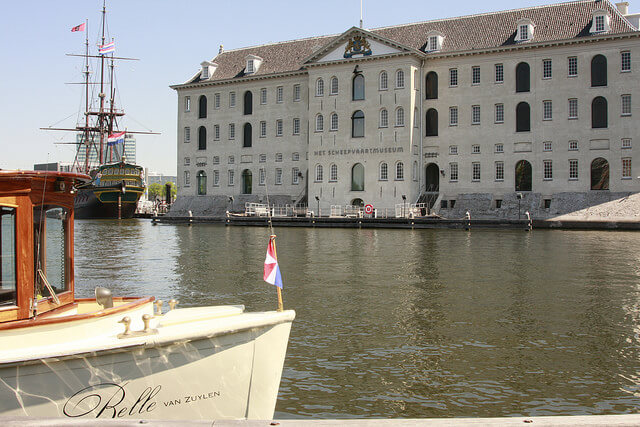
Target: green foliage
column 156, row 190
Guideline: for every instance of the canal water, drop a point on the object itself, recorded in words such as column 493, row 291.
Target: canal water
column 408, row 323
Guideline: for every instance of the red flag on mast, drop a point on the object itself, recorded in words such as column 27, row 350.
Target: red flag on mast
column 78, row 28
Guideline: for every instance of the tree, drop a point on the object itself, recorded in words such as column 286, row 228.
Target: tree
column 156, row 191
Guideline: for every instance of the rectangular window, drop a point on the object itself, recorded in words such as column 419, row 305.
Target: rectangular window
column 433, row 43
column 626, row 105
column 547, row 110
column 187, row 161
column 475, row 171
column 230, row 177
column 294, row 176
column 546, row 146
column 279, row 94
column 626, row 168
column 573, row 108
column 625, row 57
column 546, row 69
column 278, row 157
column 453, row 116
column 232, row 99
column 453, row 149
column 250, row 67
column 216, row 132
column 499, row 113
column 475, row 149
column 475, row 75
column 600, row 23
column 548, row 169
column 573, row 66
column 499, row 148
column 263, row 129
column 216, row 160
column 263, row 96
column 453, row 171
column 573, row 145
column 216, row 178
column 262, row 176
column 278, row 127
column 296, row 126
column 295, row 157
column 216, row 101
column 232, row 131
column 187, row 178
column 262, row 158
column 499, row 73
column 573, row 169
column 296, row 92
column 499, row 171
column 278, row 176
column 187, row 104
column 475, row 114
column 453, row 77
column 231, row 160
column 187, row 134
column 524, row 32
column 626, row 143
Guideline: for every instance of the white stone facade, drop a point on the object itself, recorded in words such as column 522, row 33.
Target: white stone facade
column 483, row 146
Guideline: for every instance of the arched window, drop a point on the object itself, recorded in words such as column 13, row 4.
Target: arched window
column 334, row 121
column 333, row 173
column 432, row 85
column 246, row 141
column 399, row 171
column 247, row 181
column 202, row 138
column 399, row 116
column 415, row 171
column 599, row 71
column 432, row 122
column 201, row 181
column 523, row 117
column 357, row 124
column 358, row 87
column 523, row 77
column 319, row 87
column 202, row 107
column 399, row 79
column 383, row 83
column 416, row 118
column 248, row 103
column 599, row 174
column 384, row 118
column 357, row 177
column 334, row 85
column 319, row 173
column 383, row 174
column 523, row 176
column 599, row 113
column 319, row 123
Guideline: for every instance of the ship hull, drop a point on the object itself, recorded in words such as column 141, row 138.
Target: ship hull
column 106, row 202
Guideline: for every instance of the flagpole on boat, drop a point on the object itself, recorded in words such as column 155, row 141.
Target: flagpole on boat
column 272, row 240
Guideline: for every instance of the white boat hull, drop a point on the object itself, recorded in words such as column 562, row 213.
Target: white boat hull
column 219, row 368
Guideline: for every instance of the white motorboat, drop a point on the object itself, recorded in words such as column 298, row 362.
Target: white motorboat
column 116, row 357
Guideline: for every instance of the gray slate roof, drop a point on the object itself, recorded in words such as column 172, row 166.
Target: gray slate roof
column 490, row 30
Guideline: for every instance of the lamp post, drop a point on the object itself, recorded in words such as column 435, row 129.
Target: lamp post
column 318, row 200
column 404, row 203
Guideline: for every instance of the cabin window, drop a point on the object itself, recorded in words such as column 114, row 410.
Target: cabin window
column 50, row 233
column 7, row 256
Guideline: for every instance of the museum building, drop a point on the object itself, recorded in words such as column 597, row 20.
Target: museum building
column 539, row 102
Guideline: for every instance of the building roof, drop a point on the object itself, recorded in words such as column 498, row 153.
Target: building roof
column 563, row 21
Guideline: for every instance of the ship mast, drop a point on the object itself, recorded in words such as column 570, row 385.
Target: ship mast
column 86, row 132
column 101, row 124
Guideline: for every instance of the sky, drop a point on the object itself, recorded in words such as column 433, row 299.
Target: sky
column 171, row 38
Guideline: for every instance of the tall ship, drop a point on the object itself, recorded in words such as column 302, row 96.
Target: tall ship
column 116, row 184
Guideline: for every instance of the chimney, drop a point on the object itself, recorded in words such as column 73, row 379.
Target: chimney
column 222, row 47
column 623, row 7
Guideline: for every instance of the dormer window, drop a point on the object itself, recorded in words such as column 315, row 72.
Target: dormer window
column 524, row 30
column 434, row 41
column 208, row 68
column 253, row 64
column 600, row 22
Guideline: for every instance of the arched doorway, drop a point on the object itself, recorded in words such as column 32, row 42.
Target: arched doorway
column 432, row 178
column 357, row 177
column 523, row 176
column 247, row 179
column 599, row 174
column 357, row 202
column 201, row 181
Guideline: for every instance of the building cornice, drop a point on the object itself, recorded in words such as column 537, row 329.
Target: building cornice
column 238, row 80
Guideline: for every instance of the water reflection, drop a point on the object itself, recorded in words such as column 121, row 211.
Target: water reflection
column 408, row 323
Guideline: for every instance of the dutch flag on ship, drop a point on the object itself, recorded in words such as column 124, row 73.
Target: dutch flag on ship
column 115, row 138
column 271, row 269
column 107, row 48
